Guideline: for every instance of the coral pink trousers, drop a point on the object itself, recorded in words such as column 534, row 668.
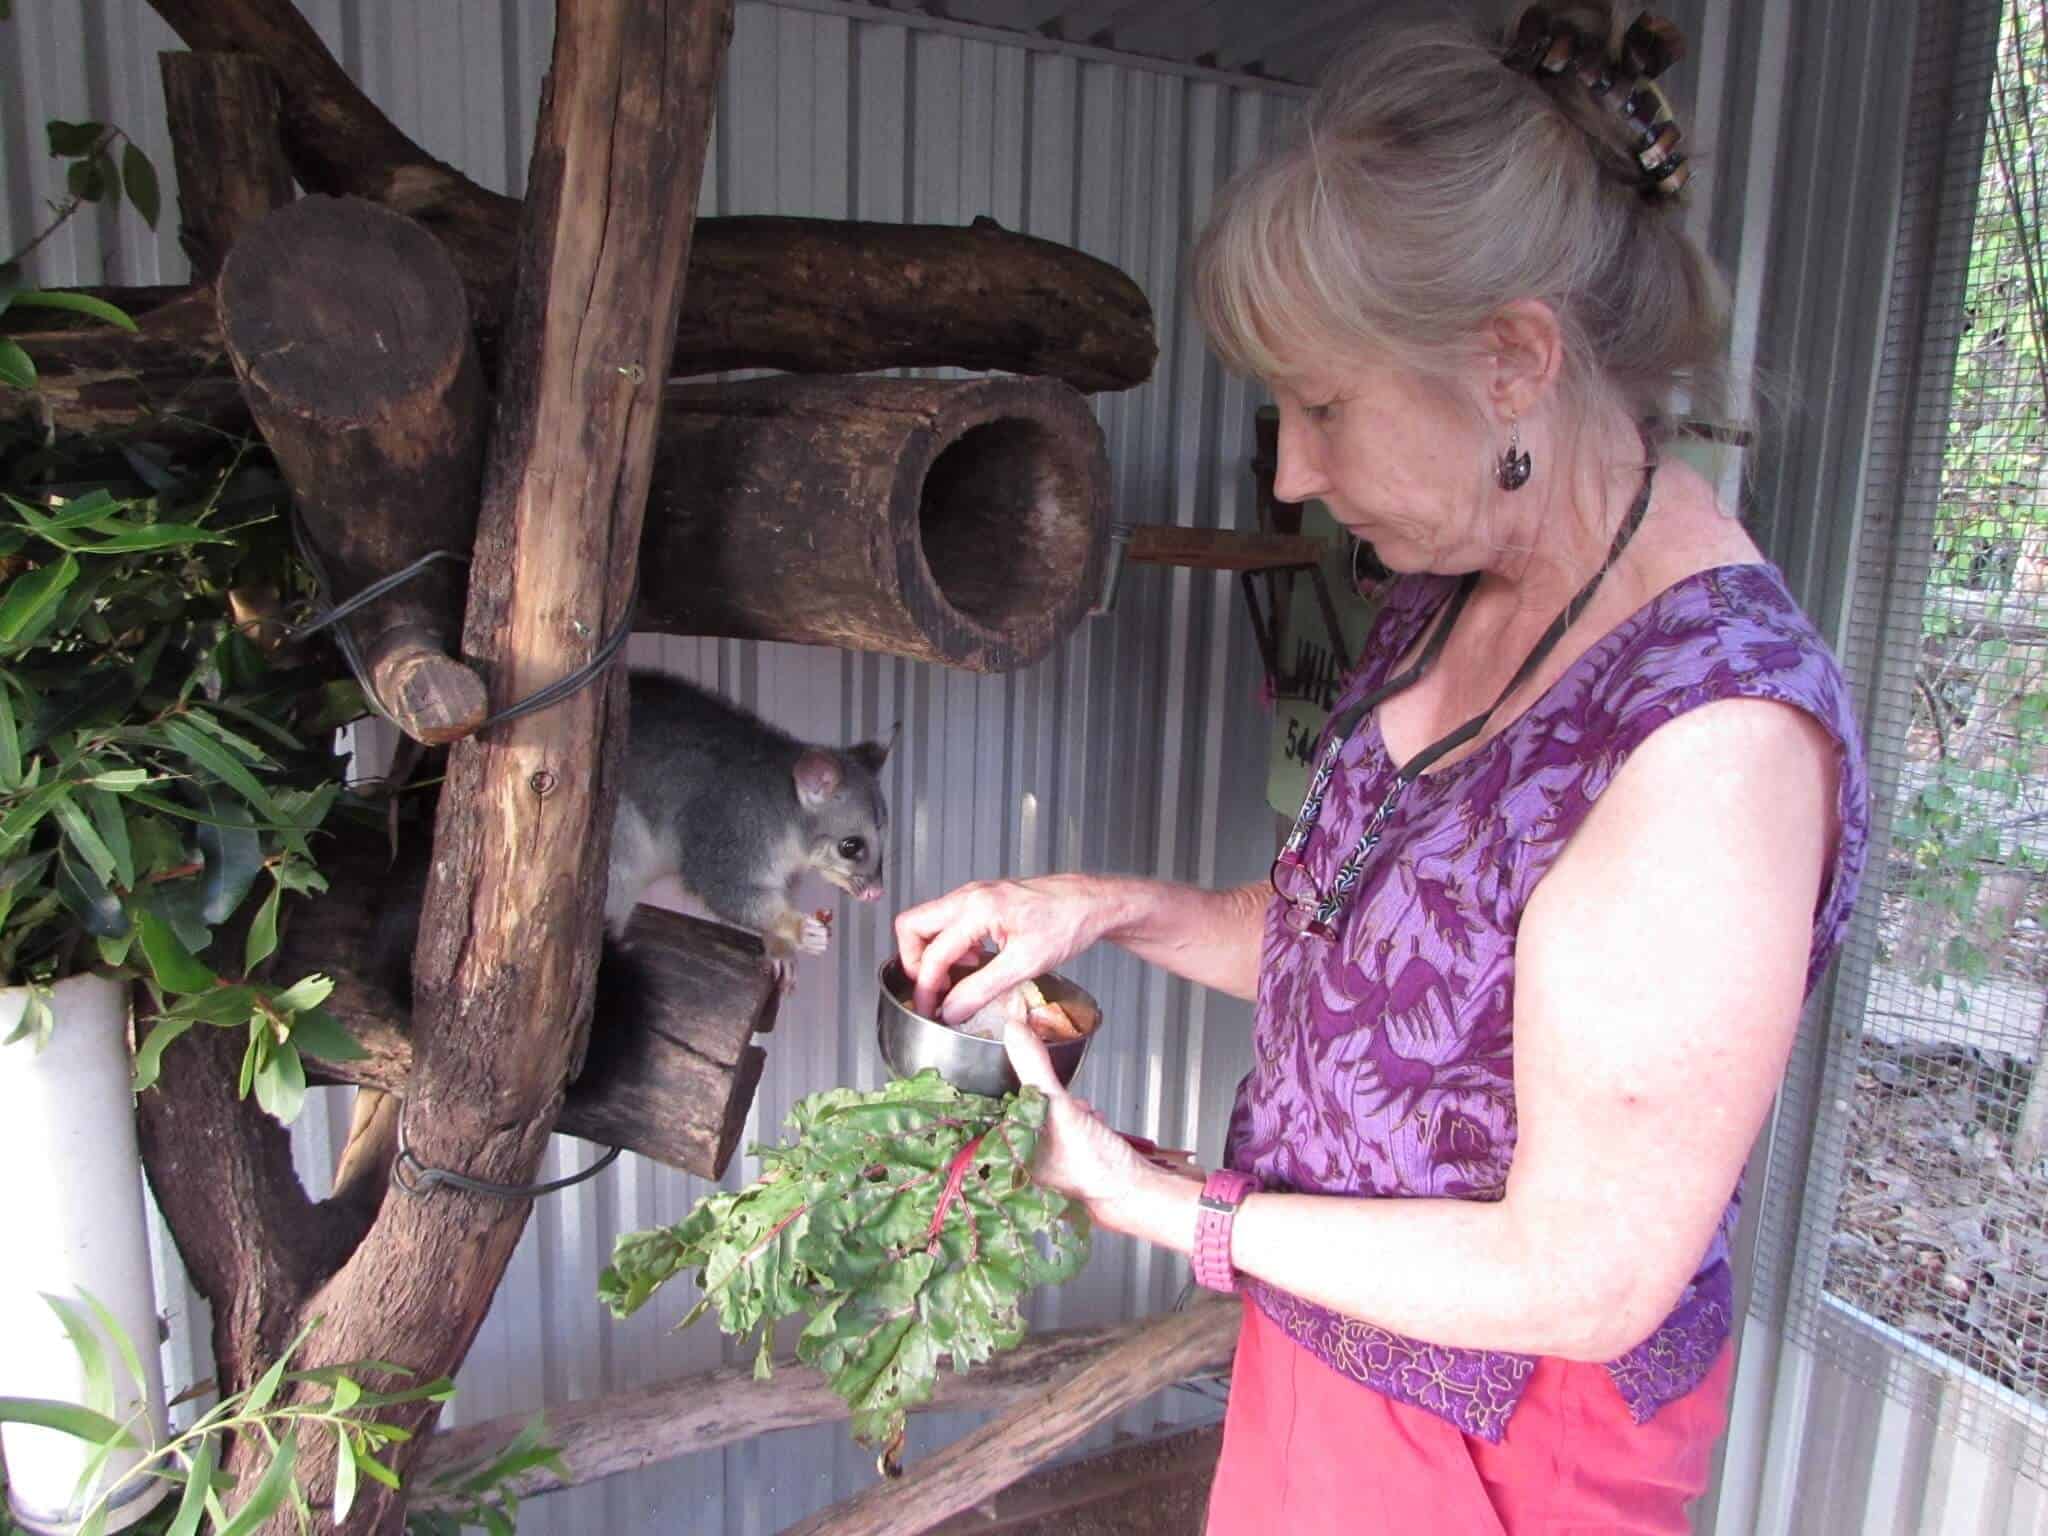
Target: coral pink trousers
column 1309, row 1452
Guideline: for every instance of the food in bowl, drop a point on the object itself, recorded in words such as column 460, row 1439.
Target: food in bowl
column 1053, row 1022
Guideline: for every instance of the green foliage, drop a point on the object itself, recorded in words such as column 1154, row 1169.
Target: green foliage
column 276, row 1411
column 902, row 1225
column 1980, row 729
column 160, row 776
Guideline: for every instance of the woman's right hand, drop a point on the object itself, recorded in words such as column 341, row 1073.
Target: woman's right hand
column 1034, row 926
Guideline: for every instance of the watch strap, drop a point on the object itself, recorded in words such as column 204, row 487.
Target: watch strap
column 1215, row 1214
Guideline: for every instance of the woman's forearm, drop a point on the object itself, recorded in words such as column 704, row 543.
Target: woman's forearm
column 1455, row 1272
column 1204, row 936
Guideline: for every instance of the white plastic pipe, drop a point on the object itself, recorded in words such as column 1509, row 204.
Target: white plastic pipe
column 71, row 1208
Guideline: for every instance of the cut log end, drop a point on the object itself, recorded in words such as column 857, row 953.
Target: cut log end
column 337, row 310
column 429, row 695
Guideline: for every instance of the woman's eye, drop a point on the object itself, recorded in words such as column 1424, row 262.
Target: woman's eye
column 851, row 847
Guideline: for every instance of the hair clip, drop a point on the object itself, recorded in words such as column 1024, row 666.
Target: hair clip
column 1661, row 145
column 1652, row 45
column 1545, row 45
column 1532, row 38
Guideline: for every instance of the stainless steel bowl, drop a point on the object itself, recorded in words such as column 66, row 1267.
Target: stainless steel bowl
column 911, row 1042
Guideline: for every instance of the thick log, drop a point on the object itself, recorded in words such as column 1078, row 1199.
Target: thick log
column 346, row 327
column 507, row 954
column 625, row 1431
column 806, row 295
column 222, row 110
column 964, row 522
column 672, row 1066
column 800, row 294
column 1168, row 1348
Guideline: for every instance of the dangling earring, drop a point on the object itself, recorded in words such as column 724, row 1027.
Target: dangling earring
column 1512, row 472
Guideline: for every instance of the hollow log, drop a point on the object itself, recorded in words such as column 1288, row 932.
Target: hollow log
column 222, row 110
column 963, row 522
column 346, row 326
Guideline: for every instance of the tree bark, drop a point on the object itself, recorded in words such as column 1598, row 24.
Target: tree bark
column 505, row 961
column 1166, row 1349
column 963, row 522
column 222, row 110
column 346, row 327
column 625, row 1431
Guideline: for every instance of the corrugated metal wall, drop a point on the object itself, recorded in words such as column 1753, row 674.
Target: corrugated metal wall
column 1139, row 746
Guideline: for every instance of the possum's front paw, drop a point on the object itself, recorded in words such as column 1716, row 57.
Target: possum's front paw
column 813, row 936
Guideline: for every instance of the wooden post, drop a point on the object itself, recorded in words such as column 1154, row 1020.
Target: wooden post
column 506, row 957
column 348, row 330
column 222, row 110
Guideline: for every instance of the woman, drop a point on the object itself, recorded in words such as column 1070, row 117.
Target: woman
column 1587, row 826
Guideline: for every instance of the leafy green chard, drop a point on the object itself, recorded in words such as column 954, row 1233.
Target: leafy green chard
column 903, row 1225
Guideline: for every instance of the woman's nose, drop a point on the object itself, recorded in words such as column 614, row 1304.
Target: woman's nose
column 1298, row 474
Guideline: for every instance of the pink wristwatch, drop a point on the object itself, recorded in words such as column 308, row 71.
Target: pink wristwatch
column 1215, row 1214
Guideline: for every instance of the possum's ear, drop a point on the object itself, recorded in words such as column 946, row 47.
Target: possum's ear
column 818, row 777
column 872, row 754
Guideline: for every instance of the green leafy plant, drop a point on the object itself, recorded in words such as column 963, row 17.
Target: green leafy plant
column 104, row 165
column 157, row 767
column 902, row 1225
column 276, row 1411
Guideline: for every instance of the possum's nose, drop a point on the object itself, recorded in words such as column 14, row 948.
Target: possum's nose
column 872, row 891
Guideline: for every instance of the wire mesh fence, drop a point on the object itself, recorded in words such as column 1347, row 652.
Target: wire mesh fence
column 1924, row 1208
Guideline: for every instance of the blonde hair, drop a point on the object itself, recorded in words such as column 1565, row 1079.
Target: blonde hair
column 1429, row 186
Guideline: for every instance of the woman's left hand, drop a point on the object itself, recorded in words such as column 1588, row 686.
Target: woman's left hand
column 1079, row 1153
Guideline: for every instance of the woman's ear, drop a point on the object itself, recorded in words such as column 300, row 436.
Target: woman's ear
column 1525, row 345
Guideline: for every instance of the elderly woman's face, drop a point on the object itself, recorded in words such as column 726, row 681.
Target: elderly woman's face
column 1395, row 462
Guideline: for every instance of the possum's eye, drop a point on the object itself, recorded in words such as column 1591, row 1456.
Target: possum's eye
column 852, row 847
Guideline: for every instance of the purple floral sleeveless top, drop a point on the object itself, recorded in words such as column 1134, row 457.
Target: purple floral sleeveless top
column 1384, row 1062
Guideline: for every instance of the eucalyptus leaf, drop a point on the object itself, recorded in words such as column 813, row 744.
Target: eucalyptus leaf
column 317, row 1033
column 72, row 139
column 270, row 1492
column 65, row 1418
column 170, row 962
column 110, row 821
column 87, row 898
column 280, row 1083
column 74, row 303
column 261, row 941
column 306, row 992
column 140, row 176
column 90, row 179
column 92, row 1357
column 29, row 597
column 345, row 1475
column 149, row 1056
column 198, row 1484
column 16, row 367
column 84, row 837
column 233, row 851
